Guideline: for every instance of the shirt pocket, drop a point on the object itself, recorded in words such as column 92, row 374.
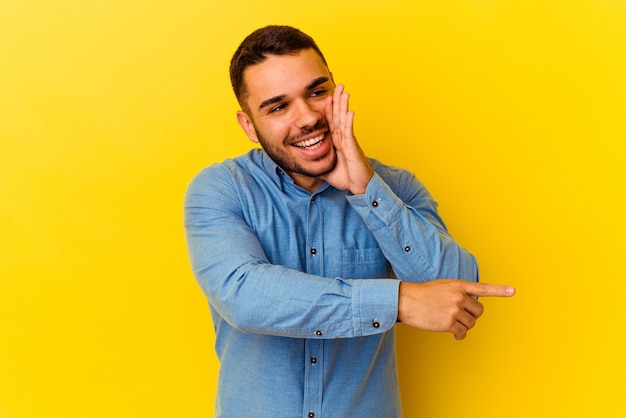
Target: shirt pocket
column 364, row 263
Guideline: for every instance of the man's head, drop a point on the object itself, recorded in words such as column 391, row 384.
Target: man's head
column 285, row 89
column 263, row 42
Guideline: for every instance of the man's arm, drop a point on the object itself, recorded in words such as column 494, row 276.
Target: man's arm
column 403, row 218
column 255, row 296
column 411, row 235
column 395, row 207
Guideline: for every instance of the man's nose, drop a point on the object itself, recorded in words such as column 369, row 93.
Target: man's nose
column 306, row 115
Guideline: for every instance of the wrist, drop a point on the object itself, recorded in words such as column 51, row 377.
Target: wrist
column 361, row 188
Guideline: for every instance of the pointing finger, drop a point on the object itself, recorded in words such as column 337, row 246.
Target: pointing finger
column 485, row 289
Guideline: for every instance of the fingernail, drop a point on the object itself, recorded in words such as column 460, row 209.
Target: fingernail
column 509, row 290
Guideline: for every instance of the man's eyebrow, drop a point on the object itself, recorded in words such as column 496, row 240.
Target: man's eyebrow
column 317, row 82
column 280, row 98
column 271, row 101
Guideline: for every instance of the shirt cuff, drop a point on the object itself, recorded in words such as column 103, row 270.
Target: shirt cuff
column 374, row 305
column 378, row 199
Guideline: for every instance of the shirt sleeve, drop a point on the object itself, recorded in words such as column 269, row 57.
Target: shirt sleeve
column 403, row 218
column 255, row 296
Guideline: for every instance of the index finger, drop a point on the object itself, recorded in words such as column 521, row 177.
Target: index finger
column 332, row 105
column 486, row 289
column 340, row 107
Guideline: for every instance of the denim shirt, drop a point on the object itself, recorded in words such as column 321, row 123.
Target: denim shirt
column 303, row 288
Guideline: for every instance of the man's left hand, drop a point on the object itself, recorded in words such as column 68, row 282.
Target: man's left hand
column 353, row 171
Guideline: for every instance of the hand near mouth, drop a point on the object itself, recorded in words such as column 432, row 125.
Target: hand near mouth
column 353, row 170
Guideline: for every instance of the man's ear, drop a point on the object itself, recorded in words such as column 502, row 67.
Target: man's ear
column 247, row 125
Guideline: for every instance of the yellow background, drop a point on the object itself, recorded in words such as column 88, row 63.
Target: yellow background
column 512, row 112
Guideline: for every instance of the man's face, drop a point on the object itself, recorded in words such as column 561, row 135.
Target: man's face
column 286, row 114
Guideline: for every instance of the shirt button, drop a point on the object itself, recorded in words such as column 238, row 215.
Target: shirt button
column 313, row 360
column 313, row 250
column 407, row 249
column 376, row 324
column 318, row 333
column 375, row 203
column 311, row 415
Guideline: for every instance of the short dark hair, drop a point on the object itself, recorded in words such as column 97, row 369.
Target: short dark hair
column 255, row 48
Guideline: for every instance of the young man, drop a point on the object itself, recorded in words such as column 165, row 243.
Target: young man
column 309, row 252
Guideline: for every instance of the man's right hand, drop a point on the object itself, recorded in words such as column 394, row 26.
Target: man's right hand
column 445, row 305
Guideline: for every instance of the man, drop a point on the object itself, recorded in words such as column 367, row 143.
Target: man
column 309, row 252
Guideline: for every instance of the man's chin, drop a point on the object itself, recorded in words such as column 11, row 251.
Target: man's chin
column 311, row 168
column 329, row 168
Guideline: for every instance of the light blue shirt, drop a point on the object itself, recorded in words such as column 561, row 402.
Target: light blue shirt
column 303, row 288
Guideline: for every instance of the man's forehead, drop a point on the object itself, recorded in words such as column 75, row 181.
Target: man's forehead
column 278, row 74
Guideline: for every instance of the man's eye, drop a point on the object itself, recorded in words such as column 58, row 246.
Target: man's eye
column 318, row 93
column 277, row 108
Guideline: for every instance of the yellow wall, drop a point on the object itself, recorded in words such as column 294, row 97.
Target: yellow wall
column 512, row 112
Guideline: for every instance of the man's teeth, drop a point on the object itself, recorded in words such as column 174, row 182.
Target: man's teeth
column 310, row 142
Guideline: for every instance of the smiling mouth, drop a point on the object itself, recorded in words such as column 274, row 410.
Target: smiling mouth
column 310, row 144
